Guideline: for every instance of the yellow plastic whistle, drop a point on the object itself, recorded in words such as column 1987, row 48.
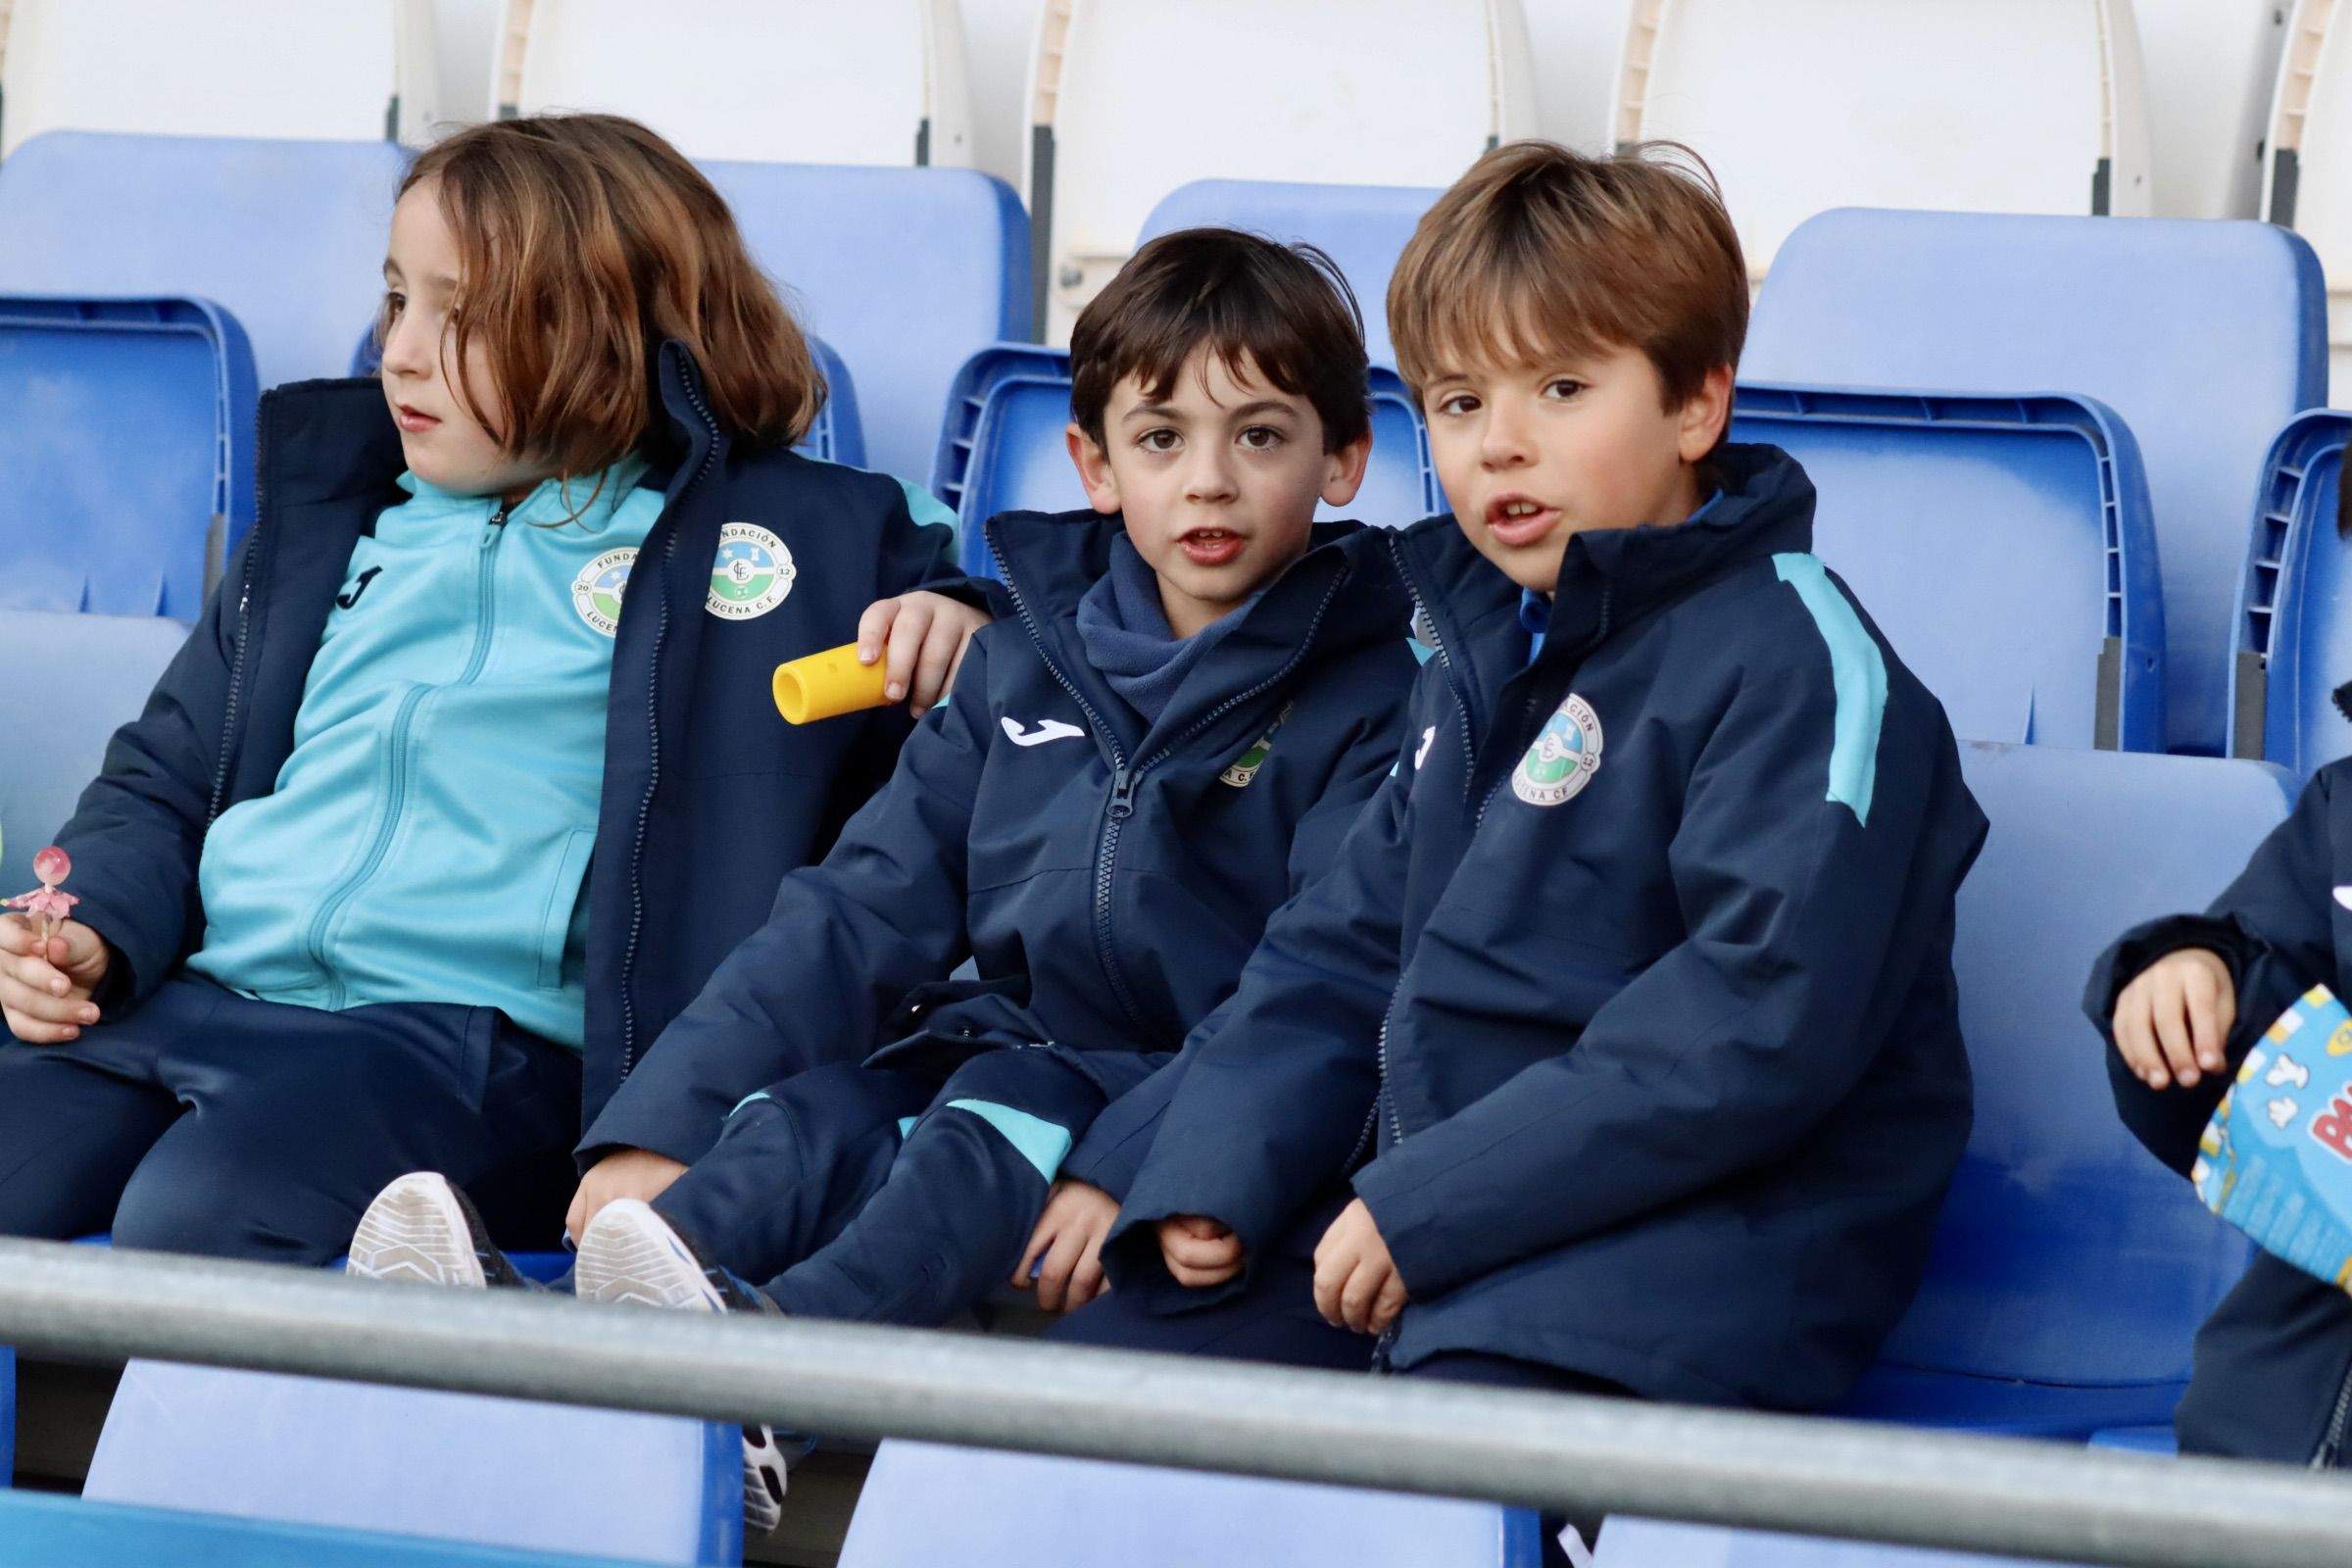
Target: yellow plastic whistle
column 827, row 685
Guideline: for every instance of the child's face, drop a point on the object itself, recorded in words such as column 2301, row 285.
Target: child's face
column 1218, row 481
column 443, row 444
column 1532, row 455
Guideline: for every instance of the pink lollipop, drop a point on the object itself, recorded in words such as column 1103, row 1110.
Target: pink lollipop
column 52, row 865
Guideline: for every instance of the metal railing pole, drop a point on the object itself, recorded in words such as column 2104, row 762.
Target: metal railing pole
column 1557, row 1451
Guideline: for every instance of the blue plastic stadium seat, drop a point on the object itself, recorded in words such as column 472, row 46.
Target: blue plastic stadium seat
column 2003, row 545
column 926, row 1504
column 2070, row 1268
column 126, row 455
column 111, row 663
column 1656, row 1543
column 37, row 1531
column 2204, row 336
column 455, row 1467
column 1002, row 448
column 1362, row 227
column 8, row 1415
column 2294, row 623
column 904, row 272
column 288, row 236
column 2158, row 1440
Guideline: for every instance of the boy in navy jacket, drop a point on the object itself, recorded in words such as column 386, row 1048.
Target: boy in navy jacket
column 1619, row 1050
column 2183, row 1000
column 1200, row 689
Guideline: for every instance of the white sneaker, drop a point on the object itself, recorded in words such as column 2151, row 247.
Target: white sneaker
column 422, row 1231
column 632, row 1256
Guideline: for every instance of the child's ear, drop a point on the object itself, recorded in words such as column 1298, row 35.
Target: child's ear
column 1344, row 471
column 1703, row 418
column 1094, row 469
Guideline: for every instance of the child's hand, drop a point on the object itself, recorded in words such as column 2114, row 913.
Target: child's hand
column 637, row 1173
column 1069, row 1236
column 1199, row 1251
column 1356, row 1283
column 2173, row 1022
column 923, row 636
column 45, row 996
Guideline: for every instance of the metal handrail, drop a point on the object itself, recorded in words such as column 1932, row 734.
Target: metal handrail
column 1563, row 1452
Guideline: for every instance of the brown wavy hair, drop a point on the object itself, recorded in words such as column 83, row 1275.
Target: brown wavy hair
column 585, row 241
column 1538, row 251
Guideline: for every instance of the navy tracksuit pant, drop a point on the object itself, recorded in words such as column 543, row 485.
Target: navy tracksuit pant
column 203, row 1121
column 895, row 1195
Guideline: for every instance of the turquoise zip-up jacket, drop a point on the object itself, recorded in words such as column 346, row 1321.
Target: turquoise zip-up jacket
column 430, row 835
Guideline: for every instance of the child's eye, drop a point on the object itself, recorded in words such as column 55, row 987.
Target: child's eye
column 1159, row 440
column 1458, row 402
column 393, row 303
column 1564, row 388
column 1261, row 438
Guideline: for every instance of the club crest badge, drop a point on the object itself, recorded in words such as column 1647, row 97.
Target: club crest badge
column 752, row 573
column 1564, row 757
column 596, row 593
column 1245, row 767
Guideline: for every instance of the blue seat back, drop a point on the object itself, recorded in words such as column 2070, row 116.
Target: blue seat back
column 8, row 1415
column 126, row 455
column 455, row 1467
column 1362, row 227
column 287, row 237
column 904, row 272
column 2204, row 336
column 1003, row 448
column 2003, row 545
column 2070, row 1268
column 926, row 1504
column 51, row 1532
column 2295, row 611
column 111, row 663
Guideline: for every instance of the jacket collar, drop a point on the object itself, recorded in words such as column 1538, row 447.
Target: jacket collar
column 1338, row 597
column 1765, row 507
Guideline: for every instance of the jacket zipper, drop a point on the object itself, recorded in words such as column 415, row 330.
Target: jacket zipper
column 1124, row 780
column 1436, row 645
column 2331, row 1448
column 402, row 728
column 653, row 729
column 236, row 670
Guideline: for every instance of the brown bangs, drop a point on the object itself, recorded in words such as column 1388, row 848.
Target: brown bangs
column 1284, row 310
column 585, row 241
column 1538, row 253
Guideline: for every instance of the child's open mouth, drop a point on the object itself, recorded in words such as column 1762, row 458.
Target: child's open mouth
column 1210, row 546
column 1517, row 521
column 413, row 420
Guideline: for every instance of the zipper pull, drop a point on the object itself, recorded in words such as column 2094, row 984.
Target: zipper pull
column 1123, row 794
column 498, row 518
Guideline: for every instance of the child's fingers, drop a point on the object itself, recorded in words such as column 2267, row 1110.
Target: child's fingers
column 1195, row 1251
column 907, row 634
column 42, row 1005
column 2136, row 1038
column 37, row 975
column 940, row 648
column 2205, row 1034
column 1085, row 1280
column 33, row 1032
column 873, row 629
column 15, row 936
column 1387, row 1303
column 2170, row 1013
column 1331, row 1278
column 1356, row 1297
column 1054, row 1277
column 1039, row 1240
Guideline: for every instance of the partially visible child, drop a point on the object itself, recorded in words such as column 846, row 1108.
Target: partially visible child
column 1619, row 1050
column 2183, row 1000
column 445, row 808
column 1202, row 689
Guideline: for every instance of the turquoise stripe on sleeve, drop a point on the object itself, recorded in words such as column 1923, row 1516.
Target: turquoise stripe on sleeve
column 906, row 1125
column 1040, row 1142
column 925, row 507
column 760, row 1094
column 1859, row 674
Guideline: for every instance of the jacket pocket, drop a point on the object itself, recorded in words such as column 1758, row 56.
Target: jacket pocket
column 554, row 921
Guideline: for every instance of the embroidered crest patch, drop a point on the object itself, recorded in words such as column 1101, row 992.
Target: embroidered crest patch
column 596, row 593
column 752, row 573
column 1564, row 757
column 1245, row 767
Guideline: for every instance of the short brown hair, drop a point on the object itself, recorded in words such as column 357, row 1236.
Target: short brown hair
column 1285, row 307
column 1540, row 251
column 585, row 241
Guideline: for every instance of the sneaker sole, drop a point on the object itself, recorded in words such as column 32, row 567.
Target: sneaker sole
column 415, row 1234
column 630, row 1256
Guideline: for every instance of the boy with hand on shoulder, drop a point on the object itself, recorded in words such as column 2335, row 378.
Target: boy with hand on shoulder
column 1619, row 1050
column 1202, row 687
